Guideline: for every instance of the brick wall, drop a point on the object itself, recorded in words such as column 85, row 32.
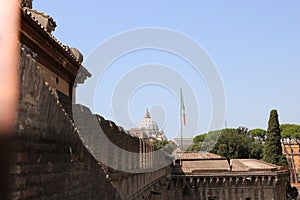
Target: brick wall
column 233, row 186
column 132, row 165
column 49, row 160
column 115, row 147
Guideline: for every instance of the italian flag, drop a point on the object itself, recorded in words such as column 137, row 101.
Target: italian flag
column 182, row 107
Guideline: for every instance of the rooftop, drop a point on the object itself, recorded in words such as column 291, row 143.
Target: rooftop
column 192, row 166
column 205, row 162
column 201, row 155
column 251, row 165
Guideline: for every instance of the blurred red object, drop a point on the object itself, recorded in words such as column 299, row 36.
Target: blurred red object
column 9, row 54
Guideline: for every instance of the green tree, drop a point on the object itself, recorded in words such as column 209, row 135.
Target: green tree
column 256, row 150
column 273, row 148
column 290, row 132
column 257, row 142
column 223, row 150
column 199, row 138
column 197, row 143
column 194, row 147
column 210, row 140
column 258, row 134
column 204, row 142
column 164, row 145
column 230, row 143
column 233, row 143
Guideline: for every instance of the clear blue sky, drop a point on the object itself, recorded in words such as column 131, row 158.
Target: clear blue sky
column 254, row 44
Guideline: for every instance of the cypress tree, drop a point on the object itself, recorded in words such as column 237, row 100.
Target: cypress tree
column 273, row 148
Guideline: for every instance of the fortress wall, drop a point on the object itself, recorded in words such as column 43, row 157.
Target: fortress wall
column 262, row 186
column 122, row 153
column 56, row 157
column 49, row 160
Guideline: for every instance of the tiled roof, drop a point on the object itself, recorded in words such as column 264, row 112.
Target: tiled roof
column 201, row 155
column 251, row 165
column 27, row 11
column 205, row 165
column 40, row 13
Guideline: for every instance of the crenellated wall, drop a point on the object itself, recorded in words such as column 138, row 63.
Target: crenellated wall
column 49, row 160
column 135, row 169
column 115, row 147
column 233, row 186
column 62, row 151
column 57, row 157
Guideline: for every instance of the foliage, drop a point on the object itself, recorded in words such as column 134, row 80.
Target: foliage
column 273, row 148
column 238, row 143
column 158, row 144
column 256, row 149
column 258, row 134
column 197, row 142
column 199, row 138
column 194, row 147
column 230, row 143
column 256, row 143
column 210, row 140
column 204, row 142
column 165, row 145
column 290, row 131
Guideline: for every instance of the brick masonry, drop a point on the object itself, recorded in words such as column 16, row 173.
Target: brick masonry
column 49, row 160
column 53, row 158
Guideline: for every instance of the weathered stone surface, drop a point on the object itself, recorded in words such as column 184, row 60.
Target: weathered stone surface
column 43, row 165
column 51, row 160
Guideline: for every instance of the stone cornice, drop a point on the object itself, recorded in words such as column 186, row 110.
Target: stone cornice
column 52, row 54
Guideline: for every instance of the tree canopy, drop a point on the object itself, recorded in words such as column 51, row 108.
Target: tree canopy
column 256, row 143
column 238, row 143
column 230, row 143
column 290, row 131
column 273, row 148
column 258, row 134
column 205, row 142
column 165, row 145
column 199, row 138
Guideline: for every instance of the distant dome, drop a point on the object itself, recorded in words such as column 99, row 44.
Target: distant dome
column 148, row 125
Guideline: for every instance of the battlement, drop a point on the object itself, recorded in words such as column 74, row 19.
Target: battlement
column 60, row 157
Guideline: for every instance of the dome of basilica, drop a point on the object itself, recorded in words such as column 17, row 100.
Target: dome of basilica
column 148, row 125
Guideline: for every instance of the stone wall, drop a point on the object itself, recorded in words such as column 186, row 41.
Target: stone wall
column 49, row 160
column 116, row 148
column 134, row 167
column 56, row 156
column 142, row 185
column 54, row 80
column 233, row 186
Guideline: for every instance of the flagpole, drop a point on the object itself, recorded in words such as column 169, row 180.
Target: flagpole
column 181, row 128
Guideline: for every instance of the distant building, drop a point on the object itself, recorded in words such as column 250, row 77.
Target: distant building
column 148, row 129
column 204, row 175
column 185, row 141
column 292, row 152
